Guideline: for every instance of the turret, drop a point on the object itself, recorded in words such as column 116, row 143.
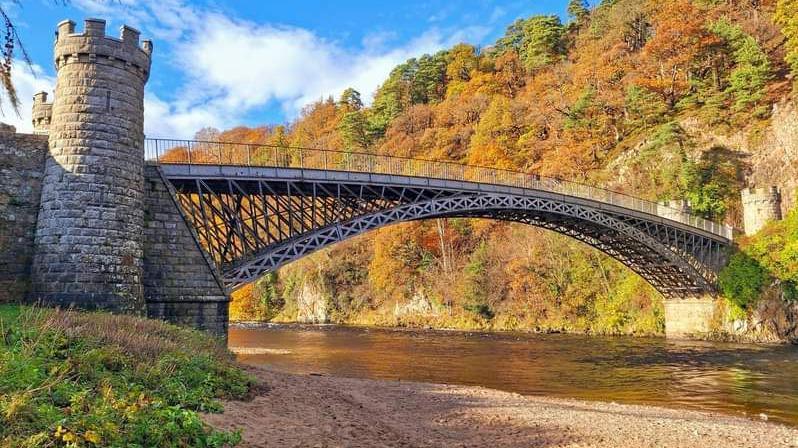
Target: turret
column 760, row 205
column 42, row 113
column 89, row 248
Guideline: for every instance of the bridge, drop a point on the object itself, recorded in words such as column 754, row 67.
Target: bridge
column 257, row 207
column 93, row 215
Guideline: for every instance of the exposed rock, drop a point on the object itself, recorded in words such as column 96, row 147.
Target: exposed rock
column 773, row 321
column 312, row 306
column 419, row 305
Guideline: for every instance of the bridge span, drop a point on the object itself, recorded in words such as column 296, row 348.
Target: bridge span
column 256, row 207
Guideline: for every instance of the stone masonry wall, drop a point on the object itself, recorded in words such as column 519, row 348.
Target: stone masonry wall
column 181, row 284
column 21, row 165
column 687, row 317
column 760, row 205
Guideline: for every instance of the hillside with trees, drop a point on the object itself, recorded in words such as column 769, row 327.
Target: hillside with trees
column 665, row 100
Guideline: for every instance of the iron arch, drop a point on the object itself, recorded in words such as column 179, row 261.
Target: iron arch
column 661, row 266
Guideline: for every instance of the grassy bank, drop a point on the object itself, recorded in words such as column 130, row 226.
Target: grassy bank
column 94, row 379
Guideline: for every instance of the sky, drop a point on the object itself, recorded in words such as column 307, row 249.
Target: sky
column 255, row 62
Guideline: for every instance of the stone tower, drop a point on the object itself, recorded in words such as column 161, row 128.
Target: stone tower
column 89, row 237
column 760, row 205
column 42, row 113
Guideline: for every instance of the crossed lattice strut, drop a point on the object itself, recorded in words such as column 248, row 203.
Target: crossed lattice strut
column 253, row 226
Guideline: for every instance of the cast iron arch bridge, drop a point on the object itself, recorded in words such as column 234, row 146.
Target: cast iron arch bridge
column 255, row 208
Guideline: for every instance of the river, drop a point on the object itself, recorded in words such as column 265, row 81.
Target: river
column 731, row 378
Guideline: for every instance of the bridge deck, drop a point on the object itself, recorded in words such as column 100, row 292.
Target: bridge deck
column 243, row 159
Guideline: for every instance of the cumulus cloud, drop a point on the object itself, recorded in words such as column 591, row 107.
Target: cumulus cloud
column 232, row 68
column 248, row 65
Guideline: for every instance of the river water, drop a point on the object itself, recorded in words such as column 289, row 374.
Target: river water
column 731, row 378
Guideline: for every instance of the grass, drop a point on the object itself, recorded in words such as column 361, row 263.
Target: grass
column 9, row 313
column 71, row 379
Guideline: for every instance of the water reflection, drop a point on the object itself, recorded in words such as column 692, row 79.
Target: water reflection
column 732, row 378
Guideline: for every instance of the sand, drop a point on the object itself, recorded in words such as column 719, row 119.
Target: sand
column 324, row 411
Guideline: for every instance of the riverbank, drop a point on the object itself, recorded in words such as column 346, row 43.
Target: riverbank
column 326, row 411
column 80, row 379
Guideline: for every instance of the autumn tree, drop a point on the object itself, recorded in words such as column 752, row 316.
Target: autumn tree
column 679, row 38
column 787, row 16
column 463, row 61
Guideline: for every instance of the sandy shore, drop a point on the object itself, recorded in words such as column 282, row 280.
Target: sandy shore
column 322, row 411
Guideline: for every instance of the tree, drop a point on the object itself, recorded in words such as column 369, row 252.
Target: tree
column 712, row 183
column 353, row 125
column 578, row 11
column 463, row 60
column 476, row 284
column 787, row 16
column 417, row 81
column 354, row 130
column 679, row 38
column 350, row 100
column 637, row 31
column 538, row 40
column 742, row 280
column 643, row 108
column 752, row 70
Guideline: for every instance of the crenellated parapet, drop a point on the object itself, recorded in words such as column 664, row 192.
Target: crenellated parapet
column 42, row 113
column 760, row 205
column 92, row 45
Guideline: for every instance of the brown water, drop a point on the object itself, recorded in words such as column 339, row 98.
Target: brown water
column 730, row 378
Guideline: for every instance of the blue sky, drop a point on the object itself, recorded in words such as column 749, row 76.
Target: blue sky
column 255, row 62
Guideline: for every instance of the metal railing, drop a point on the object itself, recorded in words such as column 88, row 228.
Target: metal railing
column 195, row 152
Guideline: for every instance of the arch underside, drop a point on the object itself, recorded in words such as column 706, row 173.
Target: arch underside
column 254, row 226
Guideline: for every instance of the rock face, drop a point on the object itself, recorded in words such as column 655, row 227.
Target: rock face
column 89, row 237
column 419, row 305
column 773, row 320
column 774, row 161
column 312, row 306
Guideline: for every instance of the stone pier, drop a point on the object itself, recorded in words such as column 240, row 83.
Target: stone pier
column 686, row 317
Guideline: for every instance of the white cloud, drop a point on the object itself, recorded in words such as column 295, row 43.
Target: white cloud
column 232, row 67
column 247, row 65
column 27, row 82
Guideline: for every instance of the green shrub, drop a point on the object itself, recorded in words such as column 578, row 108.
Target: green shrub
column 742, row 280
